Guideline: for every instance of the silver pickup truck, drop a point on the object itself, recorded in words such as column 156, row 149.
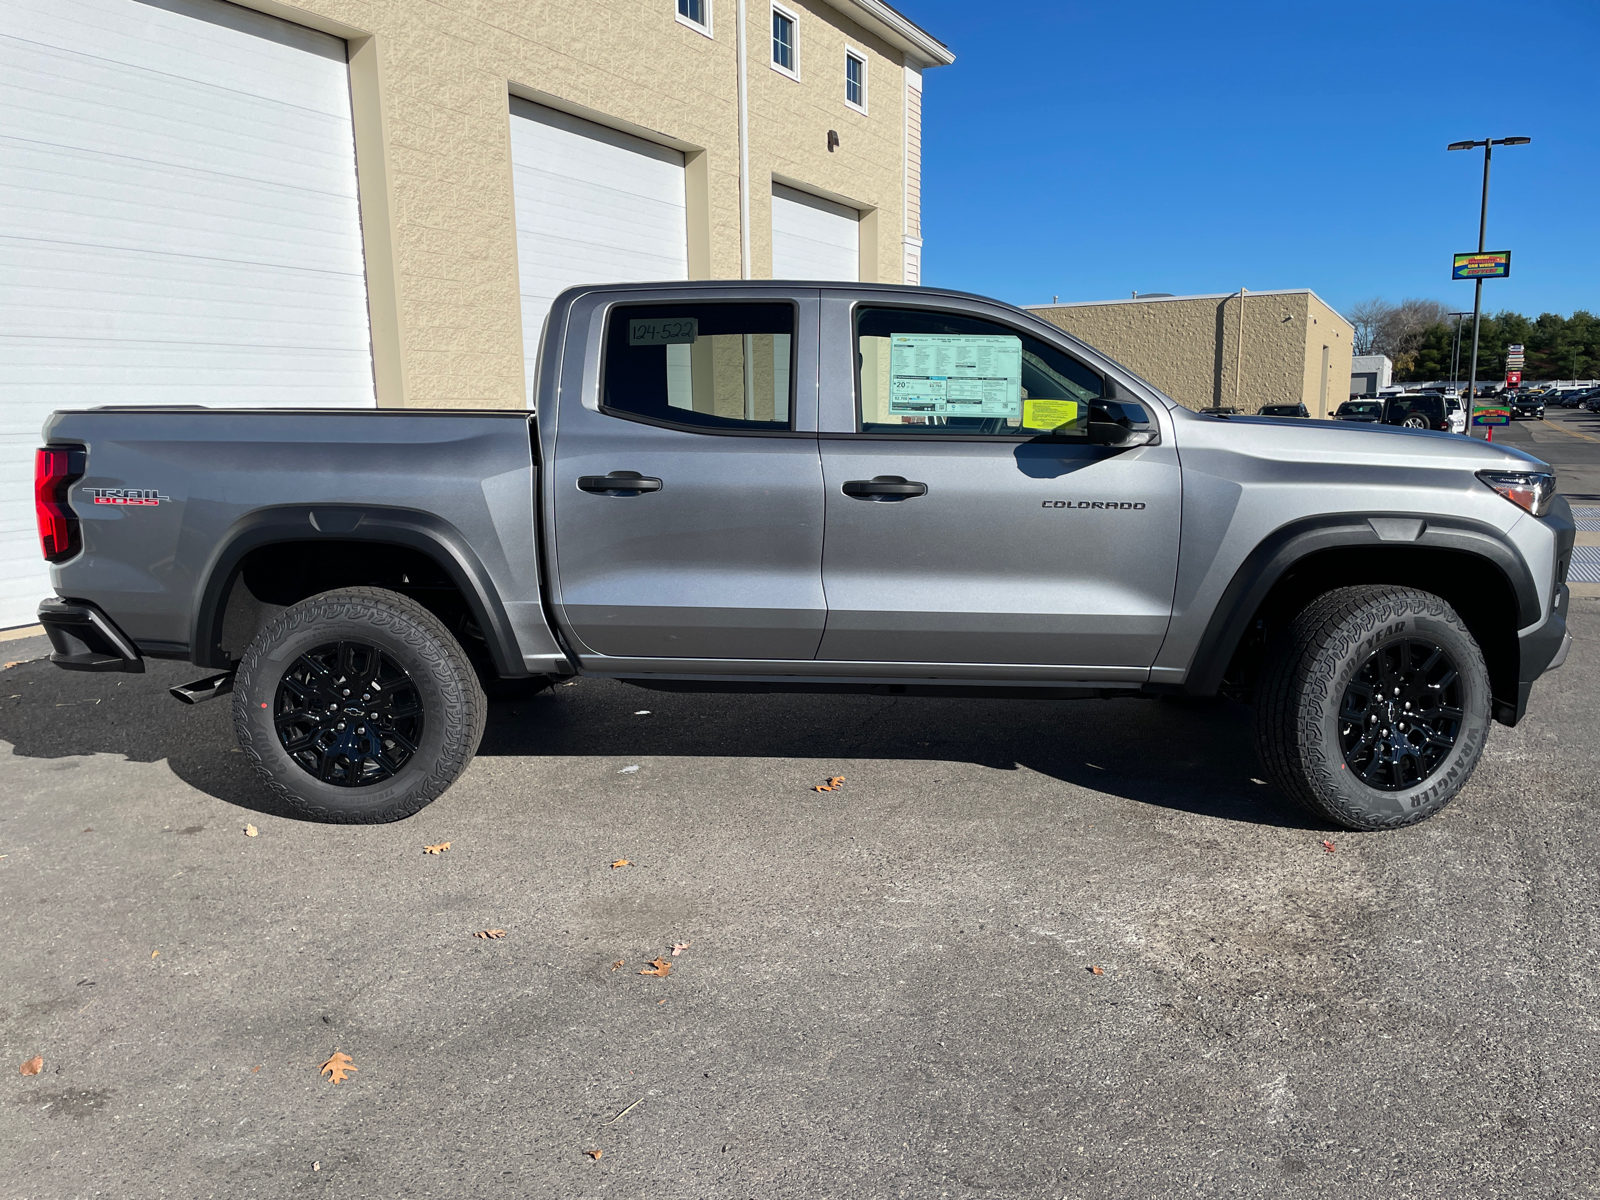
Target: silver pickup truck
column 803, row 487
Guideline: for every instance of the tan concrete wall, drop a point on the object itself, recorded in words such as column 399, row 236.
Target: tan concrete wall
column 430, row 95
column 1190, row 347
column 1327, row 328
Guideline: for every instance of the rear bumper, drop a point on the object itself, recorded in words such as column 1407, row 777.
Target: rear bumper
column 82, row 638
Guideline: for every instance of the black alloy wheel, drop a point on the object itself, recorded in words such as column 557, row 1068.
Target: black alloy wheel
column 347, row 714
column 1401, row 714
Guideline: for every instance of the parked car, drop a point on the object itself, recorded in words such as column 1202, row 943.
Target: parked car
column 1417, row 410
column 1222, row 410
column 1457, row 414
column 1365, row 411
column 1529, row 406
column 1020, row 522
column 1284, row 410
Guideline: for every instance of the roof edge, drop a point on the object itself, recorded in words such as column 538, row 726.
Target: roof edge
column 912, row 39
column 1200, row 296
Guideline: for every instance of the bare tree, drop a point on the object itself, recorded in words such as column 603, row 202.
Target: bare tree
column 1368, row 317
column 1396, row 330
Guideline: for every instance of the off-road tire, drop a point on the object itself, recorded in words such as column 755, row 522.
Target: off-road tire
column 1298, row 700
column 453, row 706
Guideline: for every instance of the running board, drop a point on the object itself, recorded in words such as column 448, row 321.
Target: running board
column 208, row 688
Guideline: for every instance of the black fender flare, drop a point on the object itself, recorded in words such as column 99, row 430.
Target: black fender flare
column 1280, row 550
column 416, row 530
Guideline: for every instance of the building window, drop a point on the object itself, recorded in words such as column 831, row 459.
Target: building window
column 696, row 14
column 785, row 48
column 855, row 80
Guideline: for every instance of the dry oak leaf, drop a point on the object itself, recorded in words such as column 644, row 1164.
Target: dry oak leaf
column 594, row 1154
column 621, row 962
column 835, row 782
column 439, row 849
column 621, row 862
column 251, row 831
column 33, row 1066
column 658, row 966
column 490, row 933
column 1097, row 970
column 337, row 1067
column 1328, row 846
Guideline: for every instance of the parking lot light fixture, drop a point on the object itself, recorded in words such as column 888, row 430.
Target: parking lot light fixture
column 1488, row 145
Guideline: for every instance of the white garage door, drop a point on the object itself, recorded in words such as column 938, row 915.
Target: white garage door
column 813, row 238
column 178, row 225
column 593, row 206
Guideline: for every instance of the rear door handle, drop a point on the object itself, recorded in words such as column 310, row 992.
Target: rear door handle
column 884, row 487
column 629, row 483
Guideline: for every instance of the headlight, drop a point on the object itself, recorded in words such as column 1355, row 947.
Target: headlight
column 1532, row 490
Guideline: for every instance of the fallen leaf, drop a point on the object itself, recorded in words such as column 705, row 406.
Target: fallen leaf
column 337, row 1067
column 570, row 683
column 33, row 1066
column 490, row 933
column 658, row 966
column 594, row 1154
column 256, row 1070
column 316, row 1166
column 1097, row 970
column 629, row 770
column 439, row 849
column 679, row 947
column 621, row 862
column 251, row 831
column 660, row 1001
column 833, row 784
column 1328, row 846
column 88, row 829
column 155, row 954
column 621, row 962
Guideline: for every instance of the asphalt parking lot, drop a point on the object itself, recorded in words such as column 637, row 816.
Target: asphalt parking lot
column 888, row 990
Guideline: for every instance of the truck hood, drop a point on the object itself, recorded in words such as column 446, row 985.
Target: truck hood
column 1300, row 440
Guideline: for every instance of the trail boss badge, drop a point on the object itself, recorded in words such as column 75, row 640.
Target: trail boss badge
column 139, row 496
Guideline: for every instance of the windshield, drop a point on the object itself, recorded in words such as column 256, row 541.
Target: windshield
column 1359, row 410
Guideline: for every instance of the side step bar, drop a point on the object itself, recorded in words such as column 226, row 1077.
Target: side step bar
column 83, row 638
column 208, row 688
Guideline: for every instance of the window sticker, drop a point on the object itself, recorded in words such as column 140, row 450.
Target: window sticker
column 1058, row 416
column 955, row 375
column 664, row 331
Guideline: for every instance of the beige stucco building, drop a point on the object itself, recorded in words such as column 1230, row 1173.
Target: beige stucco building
column 432, row 91
column 1294, row 347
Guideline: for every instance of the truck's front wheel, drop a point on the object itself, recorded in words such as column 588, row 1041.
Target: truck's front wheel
column 357, row 706
column 1374, row 707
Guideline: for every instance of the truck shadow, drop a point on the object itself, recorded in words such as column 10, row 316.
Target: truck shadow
column 1194, row 757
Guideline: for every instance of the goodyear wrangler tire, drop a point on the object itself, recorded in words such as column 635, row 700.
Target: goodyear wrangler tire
column 1374, row 707
column 357, row 706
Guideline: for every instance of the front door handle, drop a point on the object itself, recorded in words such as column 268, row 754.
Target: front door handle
column 884, row 487
column 618, row 483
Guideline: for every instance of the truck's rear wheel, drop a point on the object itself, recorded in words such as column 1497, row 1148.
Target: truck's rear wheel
column 357, row 706
column 1374, row 707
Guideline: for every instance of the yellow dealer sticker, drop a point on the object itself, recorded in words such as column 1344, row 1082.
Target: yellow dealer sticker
column 1049, row 414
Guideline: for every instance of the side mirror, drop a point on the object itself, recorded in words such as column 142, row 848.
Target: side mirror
column 1121, row 425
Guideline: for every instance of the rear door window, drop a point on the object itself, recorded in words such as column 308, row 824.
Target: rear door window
column 714, row 368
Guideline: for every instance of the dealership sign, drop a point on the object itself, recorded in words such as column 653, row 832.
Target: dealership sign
column 1488, row 264
column 1491, row 414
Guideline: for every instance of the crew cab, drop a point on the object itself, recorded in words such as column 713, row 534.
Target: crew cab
column 770, row 486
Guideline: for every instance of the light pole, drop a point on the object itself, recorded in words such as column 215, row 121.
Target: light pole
column 1455, row 355
column 1483, row 224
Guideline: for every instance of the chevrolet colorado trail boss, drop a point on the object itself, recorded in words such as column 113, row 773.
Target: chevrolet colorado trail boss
column 775, row 486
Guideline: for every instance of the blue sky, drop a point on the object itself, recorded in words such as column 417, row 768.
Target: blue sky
column 1088, row 150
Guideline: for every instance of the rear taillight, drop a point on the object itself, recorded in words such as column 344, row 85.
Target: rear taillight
column 55, row 469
